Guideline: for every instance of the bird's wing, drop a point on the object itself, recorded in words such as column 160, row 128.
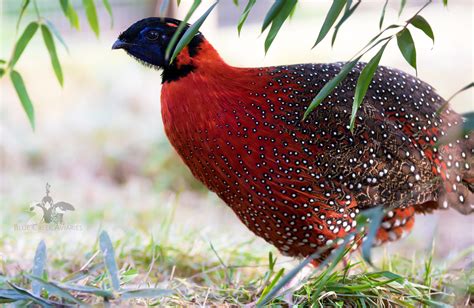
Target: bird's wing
column 64, row 206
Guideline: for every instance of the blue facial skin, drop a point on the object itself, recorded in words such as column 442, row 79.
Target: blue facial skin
column 146, row 40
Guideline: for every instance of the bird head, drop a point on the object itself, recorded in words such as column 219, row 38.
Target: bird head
column 147, row 40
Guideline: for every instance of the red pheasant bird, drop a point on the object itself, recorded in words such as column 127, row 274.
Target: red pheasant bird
column 301, row 184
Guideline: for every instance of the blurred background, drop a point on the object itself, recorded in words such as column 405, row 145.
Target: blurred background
column 99, row 140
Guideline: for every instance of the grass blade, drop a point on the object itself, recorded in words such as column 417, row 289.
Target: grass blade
column 91, row 13
column 422, row 24
column 109, row 258
column 375, row 215
column 407, row 46
column 191, row 32
column 54, row 289
column 382, row 16
column 278, row 21
column 330, row 85
column 177, row 33
column 39, row 300
column 271, row 285
column 108, row 7
column 145, row 293
column 272, row 13
column 86, row 289
column 349, row 11
column 25, row 100
column 363, row 83
column 49, row 42
column 331, row 17
column 245, row 14
column 38, row 266
column 23, row 8
column 23, row 41
column 11, row 295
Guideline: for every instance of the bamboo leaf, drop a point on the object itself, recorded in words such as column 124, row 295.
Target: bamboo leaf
column 91, row 13
column 38, row 266
column 109, row 259
column 329, row 86
column 363, row 83
column 278, row 21
column 348, row 12
column 191, row 32
column 54, row 289
column 422, row 24
column 56, row 33
column 407, row 46
column 23, row 8
column 402, row 6
column 174, row 39
column 332, row 15
column 20, row 89
column 70, row 13
column 145, row 293
column 272, row 13
column 108, row 7
column 49, row 42
column 245, row 14
column 382, row 16
column 23, row 41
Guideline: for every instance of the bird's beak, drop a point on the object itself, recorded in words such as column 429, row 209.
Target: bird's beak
column 119, row 44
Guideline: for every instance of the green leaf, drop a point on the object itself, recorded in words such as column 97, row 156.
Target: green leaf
column 108, row 7
column 23, row 8
column 23, row 41
column 145, row 293
column 245, row 14
column 236, row 3
column 56, row 33
column 174, row 39
column 332, row 15
column 70, row 13
column 49, row 42
column 348, row 12
column 422, row 24
column 278, row 21
column 272, row 13
column 329, row 86
column 178, row 2
column 445, row 2
column 363, row 83
column 191, row 32
column 407, row 46
column 382, row 16
column 91, row 13
column 471, row 85
column 2, row 61
column 20, row 89
column 109, row 258
column 52, row 288
column 38, row 266
column 402, row 6
column 2, row 72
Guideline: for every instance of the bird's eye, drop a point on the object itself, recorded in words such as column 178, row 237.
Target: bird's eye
column 152, row 35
